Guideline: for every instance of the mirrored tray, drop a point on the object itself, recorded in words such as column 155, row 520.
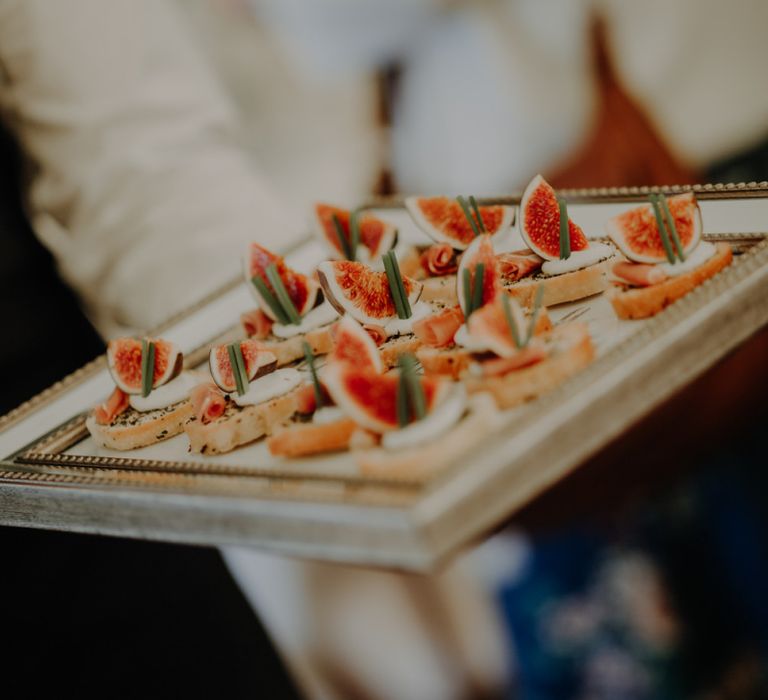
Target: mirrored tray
column 54, row 476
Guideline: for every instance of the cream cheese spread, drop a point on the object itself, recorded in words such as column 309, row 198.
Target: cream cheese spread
column 166, row 395
column 444, row 417
column 698, row 256
column 271, row 385
column 578, row 259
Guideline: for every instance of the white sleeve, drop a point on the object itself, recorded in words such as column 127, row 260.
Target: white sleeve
column 137, row 184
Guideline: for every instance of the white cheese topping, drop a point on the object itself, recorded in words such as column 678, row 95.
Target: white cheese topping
column 173, row 392
column 579, row 259
column 276, row 383
column 328, row 414
column 465, row 339
column 445, row 416
column 698, row 256
column 319, row 316
column 399, row 326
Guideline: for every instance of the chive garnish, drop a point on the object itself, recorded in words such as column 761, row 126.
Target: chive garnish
column 535, row 314
column 418, row 401
column 672, row 227
column 282, row 295
column 235, row 369
column 309, row 356
column 662, row 229
column 147, row 366
column 466, row 278
column 473, row 282
column 401, row 285
column 478, row 282
column 270, row 299
column 354, row 233
column 343, row 241
column 476, row 209
column 513, row 329
column 411, row 402
column 403, row 411
column 241, row 370
column 565, row 237
column 396, row 285
column 394, row 288
column 465, row 208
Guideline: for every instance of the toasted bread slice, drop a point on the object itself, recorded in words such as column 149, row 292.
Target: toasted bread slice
column 642, row 302
column 419, row 463
column 133, row 429
column 571, row 349
column 453, row 361
column 302, row 439
column 569, row 286
column 239, row 426
column 292, row 349
column 393, row 347
column 441, row 289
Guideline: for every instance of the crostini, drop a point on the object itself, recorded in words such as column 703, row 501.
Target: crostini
column 291, row 308
column 665, row 255
column 150, row 402
column 572, row 267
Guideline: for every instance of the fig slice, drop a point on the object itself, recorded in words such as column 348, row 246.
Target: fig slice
column 539, row 221
column 443, row 220
column 363, row 293
column 490, row 326
column 301, row 289
column 376, row 235
column 124, row 363
column 353, row 345
column 479, row 251
column 636, row 232
column 258, row 362
column 370, row 398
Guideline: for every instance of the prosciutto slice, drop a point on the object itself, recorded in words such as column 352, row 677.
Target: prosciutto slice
column 439, row 259
column 378, row 333
column 106, row 412
column 639, row 274
column 438, row 330
column 256, row 324
column 531, row 354
column 516, row 265
column 208, row 402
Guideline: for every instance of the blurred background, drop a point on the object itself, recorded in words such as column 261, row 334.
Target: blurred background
column 642, row 577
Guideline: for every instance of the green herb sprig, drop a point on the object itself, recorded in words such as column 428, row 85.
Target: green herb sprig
column 655, row 204
column 396, row 285
column 279, row 301
column 672, row 227
column 477, row 226
column 237, row 362
column 411, row 402
column 309, row 356
column 473, row 288
column 520, row 341
column 565, row 235
column 354, row 232
column 147, row 366
column 347, row 246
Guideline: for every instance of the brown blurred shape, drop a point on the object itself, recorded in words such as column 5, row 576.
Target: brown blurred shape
column 624, row 148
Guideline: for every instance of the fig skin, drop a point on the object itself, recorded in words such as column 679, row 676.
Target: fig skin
column 342, row 304
column 116, row 358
